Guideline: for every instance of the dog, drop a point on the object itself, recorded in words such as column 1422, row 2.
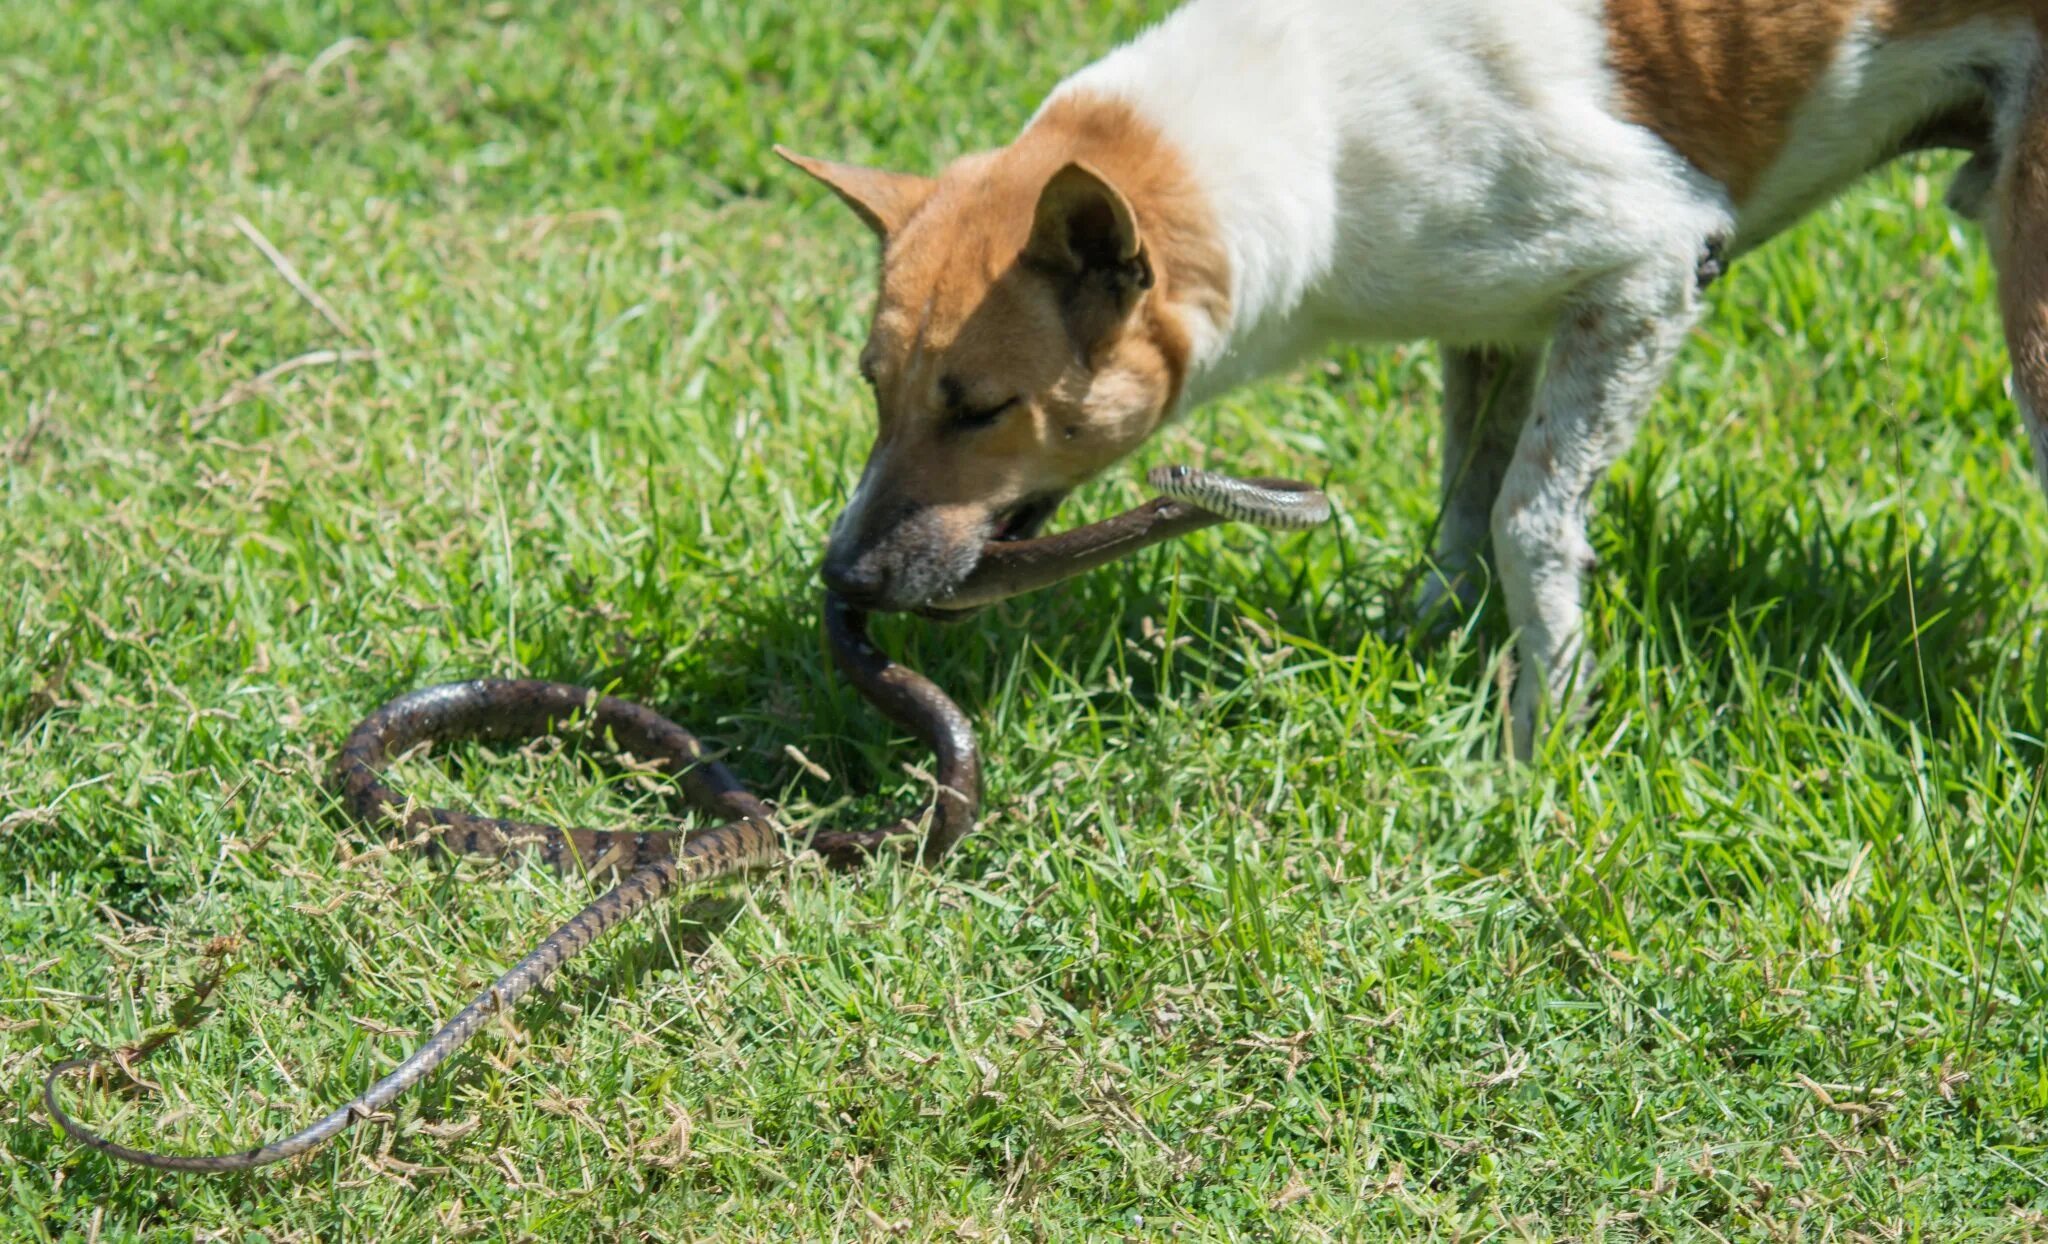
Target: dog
column 1544, row 187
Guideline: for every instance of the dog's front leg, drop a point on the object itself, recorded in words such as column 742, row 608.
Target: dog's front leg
column 1611, row 350
column 1487, row 394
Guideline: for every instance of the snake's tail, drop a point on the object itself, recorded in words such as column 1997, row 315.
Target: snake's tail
column 720, row 852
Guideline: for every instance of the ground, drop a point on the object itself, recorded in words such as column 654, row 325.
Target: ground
column 552, row 372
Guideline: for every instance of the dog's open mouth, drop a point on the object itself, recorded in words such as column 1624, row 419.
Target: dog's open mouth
column 1022, row 521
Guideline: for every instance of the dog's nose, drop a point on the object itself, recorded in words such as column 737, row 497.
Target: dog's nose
column 856, row 582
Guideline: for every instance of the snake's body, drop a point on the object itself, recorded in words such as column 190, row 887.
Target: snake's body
column 656, row 863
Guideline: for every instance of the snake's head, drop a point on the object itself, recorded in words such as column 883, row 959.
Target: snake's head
column 1023, row 341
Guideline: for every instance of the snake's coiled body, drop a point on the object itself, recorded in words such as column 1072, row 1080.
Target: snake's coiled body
column 655, row 863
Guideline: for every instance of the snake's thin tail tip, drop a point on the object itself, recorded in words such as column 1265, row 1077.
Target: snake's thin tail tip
column 710, row 855
column 211, row 1164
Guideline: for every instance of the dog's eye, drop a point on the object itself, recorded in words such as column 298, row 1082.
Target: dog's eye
column 969, row 420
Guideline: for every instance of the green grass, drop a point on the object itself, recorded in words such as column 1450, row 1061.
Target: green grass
column 1261, row 939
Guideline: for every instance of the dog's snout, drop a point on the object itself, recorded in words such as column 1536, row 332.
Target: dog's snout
column 857, row 581
column 894, row 554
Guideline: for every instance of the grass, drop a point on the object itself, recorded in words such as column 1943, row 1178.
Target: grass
column 1261, row 939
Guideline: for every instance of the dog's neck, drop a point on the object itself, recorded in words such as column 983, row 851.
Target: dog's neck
column 1223, row 107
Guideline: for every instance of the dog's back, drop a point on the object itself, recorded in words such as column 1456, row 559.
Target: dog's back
column 1448, row 168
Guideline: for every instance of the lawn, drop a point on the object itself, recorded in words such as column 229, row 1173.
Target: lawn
column 1261, row 938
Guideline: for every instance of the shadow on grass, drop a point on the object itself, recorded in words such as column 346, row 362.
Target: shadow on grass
column 1925, row 630
column 1713, row 584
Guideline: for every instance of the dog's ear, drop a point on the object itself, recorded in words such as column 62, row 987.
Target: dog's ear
column 882, row 200
column 1085, row 236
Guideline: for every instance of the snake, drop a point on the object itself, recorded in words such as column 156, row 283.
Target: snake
column 748, row 836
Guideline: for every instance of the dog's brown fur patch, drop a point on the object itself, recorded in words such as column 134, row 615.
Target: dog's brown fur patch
column 1721, row 80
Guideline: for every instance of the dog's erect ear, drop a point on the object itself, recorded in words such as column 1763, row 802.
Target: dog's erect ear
column 1085, row 235
column 881, row 199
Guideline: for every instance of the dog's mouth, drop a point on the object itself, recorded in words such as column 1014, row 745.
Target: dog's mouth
column 1024, row 519
column 1021, row 521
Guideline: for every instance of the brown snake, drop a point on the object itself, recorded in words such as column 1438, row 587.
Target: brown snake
column 653, row 864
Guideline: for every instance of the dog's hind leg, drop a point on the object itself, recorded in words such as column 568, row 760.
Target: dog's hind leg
column 2018, row 230
column 1487, row 394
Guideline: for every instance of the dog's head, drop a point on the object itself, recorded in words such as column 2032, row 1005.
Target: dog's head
column 1020, row 343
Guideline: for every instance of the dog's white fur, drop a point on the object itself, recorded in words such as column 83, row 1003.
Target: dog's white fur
column 1463, row 170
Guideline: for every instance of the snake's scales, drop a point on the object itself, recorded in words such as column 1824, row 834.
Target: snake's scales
column 653, row 864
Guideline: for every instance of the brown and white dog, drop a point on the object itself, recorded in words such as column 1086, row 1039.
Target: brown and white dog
column 1543, row 186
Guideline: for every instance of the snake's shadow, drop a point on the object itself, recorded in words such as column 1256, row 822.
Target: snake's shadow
column 635, row 952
